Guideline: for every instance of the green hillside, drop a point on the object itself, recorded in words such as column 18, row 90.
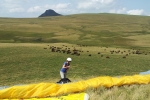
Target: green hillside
column 104, row 29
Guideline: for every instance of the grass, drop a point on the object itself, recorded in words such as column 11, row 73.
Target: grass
column 133, row 92
column 31, row 62
column 26, row 57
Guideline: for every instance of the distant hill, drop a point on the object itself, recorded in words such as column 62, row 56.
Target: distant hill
column 89, row 29
column 49, row 12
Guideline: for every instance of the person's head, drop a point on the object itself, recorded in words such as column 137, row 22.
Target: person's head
column 69, row 59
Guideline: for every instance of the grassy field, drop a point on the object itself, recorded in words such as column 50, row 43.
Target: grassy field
column 35, row 62
column 105, row 44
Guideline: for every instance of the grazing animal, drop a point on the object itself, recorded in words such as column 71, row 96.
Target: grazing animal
column 107, row 57
column 90, row 55
column 124, row 57
column 53, row 49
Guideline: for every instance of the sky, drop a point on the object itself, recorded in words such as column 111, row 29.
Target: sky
column 34, row 8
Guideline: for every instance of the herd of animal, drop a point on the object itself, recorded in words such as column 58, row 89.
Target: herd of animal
column 74, row 50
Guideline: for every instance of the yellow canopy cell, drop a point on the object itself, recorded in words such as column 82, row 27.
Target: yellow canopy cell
column 43, row 90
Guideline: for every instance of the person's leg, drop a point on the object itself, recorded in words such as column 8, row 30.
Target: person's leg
column 62, row 75
column 65, row 74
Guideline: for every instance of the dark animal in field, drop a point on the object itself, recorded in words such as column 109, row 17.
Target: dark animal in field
column 78, row 54
column 137, row 52
column 68, row 51
column 107, row 57
column 53, row 49
column 63, row 51
column 124, row 57
column 90, row 55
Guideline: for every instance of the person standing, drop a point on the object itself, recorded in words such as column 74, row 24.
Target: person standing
column 65, row 67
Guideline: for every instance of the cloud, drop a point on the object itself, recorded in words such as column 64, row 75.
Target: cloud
column 62, row 6
column 12, row 6
column 58, row 7
column 119, row 11
column 130, row 12
column 136, row 12
column 16, row 10
column 95, row 4
column 35, row 9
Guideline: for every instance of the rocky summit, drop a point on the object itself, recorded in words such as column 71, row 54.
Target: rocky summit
column 49, row 12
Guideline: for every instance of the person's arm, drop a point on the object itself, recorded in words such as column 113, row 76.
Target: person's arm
column 66, row 66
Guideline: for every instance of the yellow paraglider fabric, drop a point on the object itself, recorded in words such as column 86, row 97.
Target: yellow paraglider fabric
column 43, row 90
column 78, row 96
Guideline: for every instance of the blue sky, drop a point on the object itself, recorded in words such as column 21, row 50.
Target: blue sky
column 34, row 8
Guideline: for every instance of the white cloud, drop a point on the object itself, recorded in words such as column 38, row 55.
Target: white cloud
column 35, row 9
column 95, row 4
column 58, row 7
column 16, row 10
column 130, row 12
column 12, row 6
column 62, row 6
column 86, row 5
column 119, row 11
column 106, row 1
column 135, row 12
